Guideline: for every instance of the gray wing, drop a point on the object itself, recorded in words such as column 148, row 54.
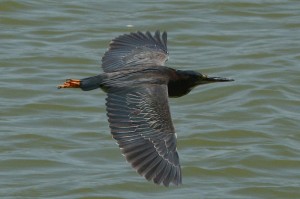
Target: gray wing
column 141, row 123
column 136, row 50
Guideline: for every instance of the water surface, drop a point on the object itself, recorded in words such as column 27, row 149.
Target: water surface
column 235, row 140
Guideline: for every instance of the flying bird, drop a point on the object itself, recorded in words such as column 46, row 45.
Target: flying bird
column 138, row 85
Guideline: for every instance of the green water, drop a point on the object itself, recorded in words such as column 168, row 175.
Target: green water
column 235, row 140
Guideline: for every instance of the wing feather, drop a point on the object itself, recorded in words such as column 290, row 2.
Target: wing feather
column 136, row 50
column 140, row 121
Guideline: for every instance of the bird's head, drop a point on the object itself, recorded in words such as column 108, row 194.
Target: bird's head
column 185, row 81
column 196, row 78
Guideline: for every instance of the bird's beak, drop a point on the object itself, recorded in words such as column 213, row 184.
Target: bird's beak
column 218, row 79
column 206, row 80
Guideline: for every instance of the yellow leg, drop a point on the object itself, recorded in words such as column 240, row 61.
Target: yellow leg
column 70, row 83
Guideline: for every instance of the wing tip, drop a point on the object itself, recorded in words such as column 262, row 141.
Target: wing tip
column 122, row 46
column 157, row 36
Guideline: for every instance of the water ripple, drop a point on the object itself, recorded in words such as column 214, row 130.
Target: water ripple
column 235, row 140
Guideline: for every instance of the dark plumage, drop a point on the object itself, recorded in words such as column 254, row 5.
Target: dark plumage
column 138, row 86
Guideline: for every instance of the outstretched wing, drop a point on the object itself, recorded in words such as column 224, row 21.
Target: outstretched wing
column 136, row 50
column 141, row 123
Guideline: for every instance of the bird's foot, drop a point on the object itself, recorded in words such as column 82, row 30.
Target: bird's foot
column 70, row 83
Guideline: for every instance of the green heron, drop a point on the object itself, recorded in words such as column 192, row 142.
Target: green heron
column 138, row 86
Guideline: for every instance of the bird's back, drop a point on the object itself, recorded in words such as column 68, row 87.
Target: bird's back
column 132, row 77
